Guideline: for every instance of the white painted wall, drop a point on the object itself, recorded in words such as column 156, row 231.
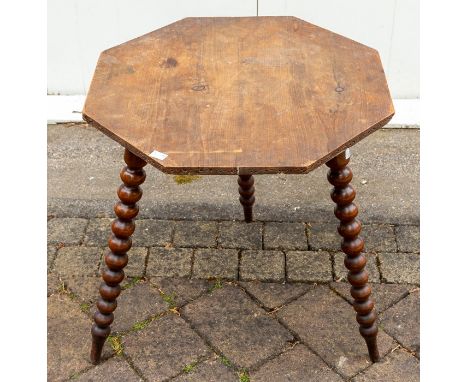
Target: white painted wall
column 78, row 30
column 390, row 26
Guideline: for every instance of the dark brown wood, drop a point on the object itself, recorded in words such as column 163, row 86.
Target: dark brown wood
column 352, row 245
column 247, row 197
column 239, row 95
column 120, row 242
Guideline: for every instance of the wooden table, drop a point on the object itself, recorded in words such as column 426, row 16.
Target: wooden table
column 238, row 96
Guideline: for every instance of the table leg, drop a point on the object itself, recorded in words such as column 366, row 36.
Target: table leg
column 247, row 197
column 120, row 242
column 346, row 211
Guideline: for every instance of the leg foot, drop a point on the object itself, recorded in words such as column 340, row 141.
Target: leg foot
column 352, row 245
column 120, row 242
column 99, row 338
column 247, row 197
column 372, row 348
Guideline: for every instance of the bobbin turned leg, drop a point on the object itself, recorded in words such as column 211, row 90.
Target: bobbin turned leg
column 120, row 242
column 247, row 198
column 346, row 211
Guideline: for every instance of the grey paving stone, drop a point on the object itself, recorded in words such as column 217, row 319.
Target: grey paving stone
column 400, row 268
column 164, row 348
column 78, row 261
column 324, row 236
column 308, row 266
column 181, row 290
column 386, row 154
column 151, row 233
column 200, row 234
column 135, row 305
column 399, row 366
column 85, row 287
column 341, row 272
column 68, row 338
column 402, row 321
column 66, row 230
column 136, row 262
column 296, row 365
column 285, row 235
column 169, row 262
column 273, row 295
column 209, row 371
column 236, row 326
column 407, row 237
column 240, row 235
column 51, row 253
column 385, row 295
column 326, row 323
column 379, row 238
column 262, row 266
column 215, row 263
column 98, row 232
column 115, row 369
column 53, row 283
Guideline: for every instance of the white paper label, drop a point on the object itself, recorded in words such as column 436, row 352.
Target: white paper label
column 158, row 155
column 347, row 153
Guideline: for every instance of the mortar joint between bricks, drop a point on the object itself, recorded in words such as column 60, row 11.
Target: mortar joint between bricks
column 253, row 298
column 385, row 355
column 339, row 295
column 378, row 263
column 100, row 260
column 132, row 366
column 146, row 261
column 263, row 235
column 208, row 343
column 413, row 353
column 285, row 267
column 218, row 233
column 85, row 231
column 192, row 262
column 298, row 338
column 82, row 371
column 194, row 364
column 52, row 263
column 333, row 265
column 173, row 229
column 307, row 226
column 395, row 237
column 239, row 259
column 286, row 348
column 405, row 295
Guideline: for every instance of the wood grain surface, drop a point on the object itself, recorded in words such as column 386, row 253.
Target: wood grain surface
column 240, row 95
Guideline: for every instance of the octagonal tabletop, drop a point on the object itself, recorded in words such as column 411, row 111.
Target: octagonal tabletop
column 238, row 95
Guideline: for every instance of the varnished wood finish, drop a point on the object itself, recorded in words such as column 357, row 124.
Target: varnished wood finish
column 352, row 245
column 239, row 95
column 247, row 197
column 120, row 242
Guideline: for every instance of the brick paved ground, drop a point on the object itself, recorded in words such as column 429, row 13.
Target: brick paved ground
column 223, row 300
column 208, row 300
